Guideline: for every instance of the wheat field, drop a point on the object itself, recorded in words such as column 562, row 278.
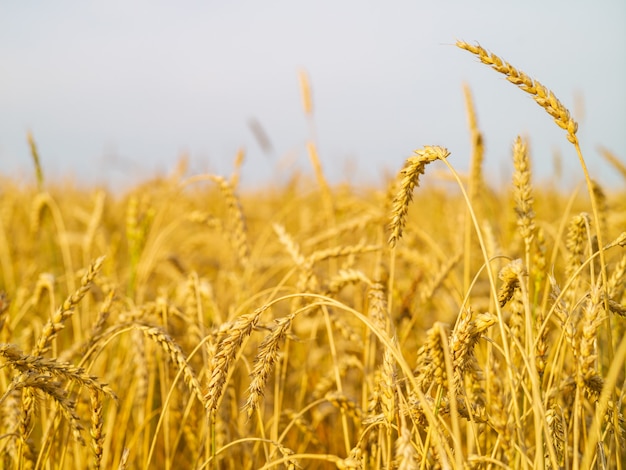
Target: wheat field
column 191, row 324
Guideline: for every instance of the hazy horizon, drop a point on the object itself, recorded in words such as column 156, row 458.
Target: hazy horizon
column 116, row 92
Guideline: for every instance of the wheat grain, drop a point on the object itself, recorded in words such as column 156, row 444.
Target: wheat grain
column 327, row 197
column 346, row 330
column 10, row 407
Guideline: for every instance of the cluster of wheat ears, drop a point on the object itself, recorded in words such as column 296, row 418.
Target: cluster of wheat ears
column 311, row 326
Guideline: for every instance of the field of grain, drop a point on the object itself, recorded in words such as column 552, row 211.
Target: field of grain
column 190, row 324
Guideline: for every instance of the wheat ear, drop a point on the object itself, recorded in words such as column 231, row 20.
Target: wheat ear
column 589, row 378
column 408, row 180
column 174, row 351
column 238, row 220
column 462, row 340
column 510, row 281
column 97, row 421
column 31, row 381
column 56, row 323
column 36, row 364
column 406, row 455
column 544, row 97
column 228, row 349
column 388, row 387
column 267, row 356
column 36, row 160
column 523, row 193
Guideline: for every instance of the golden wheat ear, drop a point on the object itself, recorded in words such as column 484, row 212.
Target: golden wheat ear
column 408, row 179
column 544, row 97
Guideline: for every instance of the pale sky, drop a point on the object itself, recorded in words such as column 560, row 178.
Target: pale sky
column 116, row 91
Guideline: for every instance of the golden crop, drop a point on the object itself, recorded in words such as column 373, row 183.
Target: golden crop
column 189, row 324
